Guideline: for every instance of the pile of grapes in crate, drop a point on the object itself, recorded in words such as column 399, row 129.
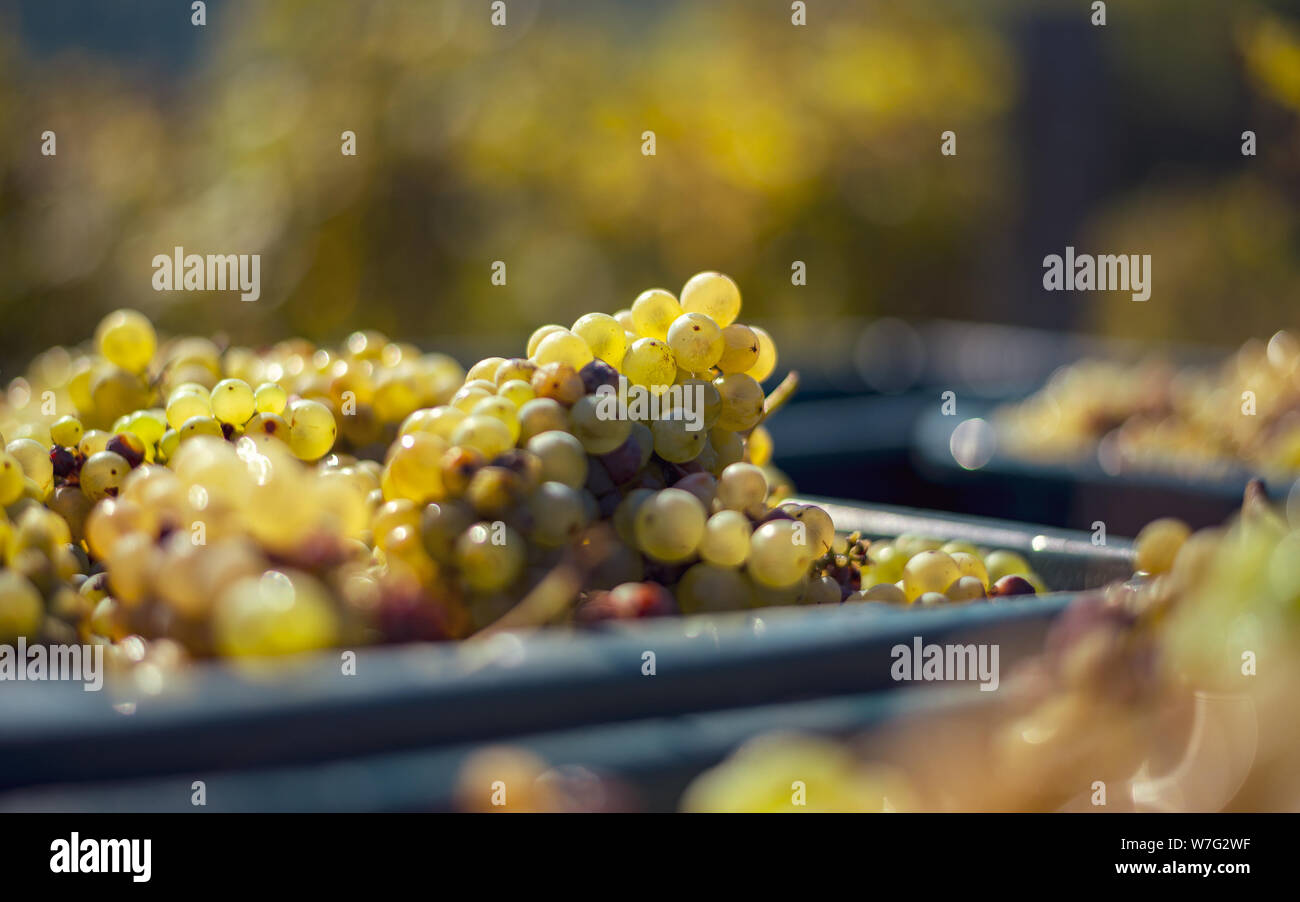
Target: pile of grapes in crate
column 178, row 498
column 1154, row 415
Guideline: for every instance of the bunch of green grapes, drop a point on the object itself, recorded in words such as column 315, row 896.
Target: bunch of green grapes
column 526, row 460
column 315, row 399
column 1152, row 415
column 913, row 569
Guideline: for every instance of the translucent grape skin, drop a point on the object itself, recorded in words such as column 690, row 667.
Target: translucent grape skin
column 675, row 441
column 740, row 349
column 742, row 401
column 696, row 342
column 669, row 525
column 603, row 335
column 563, row 346
column 766, row 362
column 742, row 487
column 777, row 557
column 706, row 588
column 714, row 295
column 562, row 456
column 650, row 363
column 489, row 556
column 102, row 475
column 653, row 312
column 127, row 339
column 726, row 539
column 929, row 571
column 311, row 429
column 233, row 401
column 558, row 512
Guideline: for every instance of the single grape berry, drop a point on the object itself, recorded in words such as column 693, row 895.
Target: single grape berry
column 63, row 461
column 1011, row 585
column 129, row 445
column 596, row 374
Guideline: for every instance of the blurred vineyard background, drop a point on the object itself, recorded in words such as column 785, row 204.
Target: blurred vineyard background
column 523, row 144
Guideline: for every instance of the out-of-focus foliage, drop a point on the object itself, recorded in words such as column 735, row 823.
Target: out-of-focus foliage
column 521, row 144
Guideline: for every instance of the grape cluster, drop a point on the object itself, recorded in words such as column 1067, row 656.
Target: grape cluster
column 1152, row 415
column 913, row 569
column 253, row 504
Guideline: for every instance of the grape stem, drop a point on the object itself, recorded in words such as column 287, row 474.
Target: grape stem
column 779, row 395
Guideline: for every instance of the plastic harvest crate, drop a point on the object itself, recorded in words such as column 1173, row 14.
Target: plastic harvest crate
column 437, row 695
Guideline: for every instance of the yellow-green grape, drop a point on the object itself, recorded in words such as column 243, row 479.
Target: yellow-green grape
column 929, row 571
column 766, row 362
column 707, row 588
column 726, row 539
column 279, row 612
column 265, row 426
column 714, row 295
column 653, row 312
column 126, row 338
column 66, row 431
column 93, row 442
column 486, row 435
column 535, row 339
column 115, row 392
column 670, row 525
column 696, row 342
column 598, row 434
column 1158, row 543
column 541, row 415
column 743, row 487
column 232, row 401
column 562, row 457
column 729, row 446
column 102, row 475
column 779, row 554
column 485, row 369
column 21, row 609
column 967, row 588
column 311, row 430
column 415, row 467
column 957, row 545
column 742, row 401
column 270, row 398
column 168, row 444
column 563, row 346
column 467, row 398
column 200, row 426
column 820, row 528
column 558, row 514
column 148, row 425
column 11, row 479
column 759, row 447
column 676, row 441
column 885, row 592
column 35, row 461
column 970, row 565
column 651, row 364
column 518, row 368
column 394, row 513
column 740, row 349
column 502, row 409
column 604, row 336
column 1005, row 563
column 624, row 318
column 517, row 392
column 440, row 421
column 186, row 402
column 489, row 556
